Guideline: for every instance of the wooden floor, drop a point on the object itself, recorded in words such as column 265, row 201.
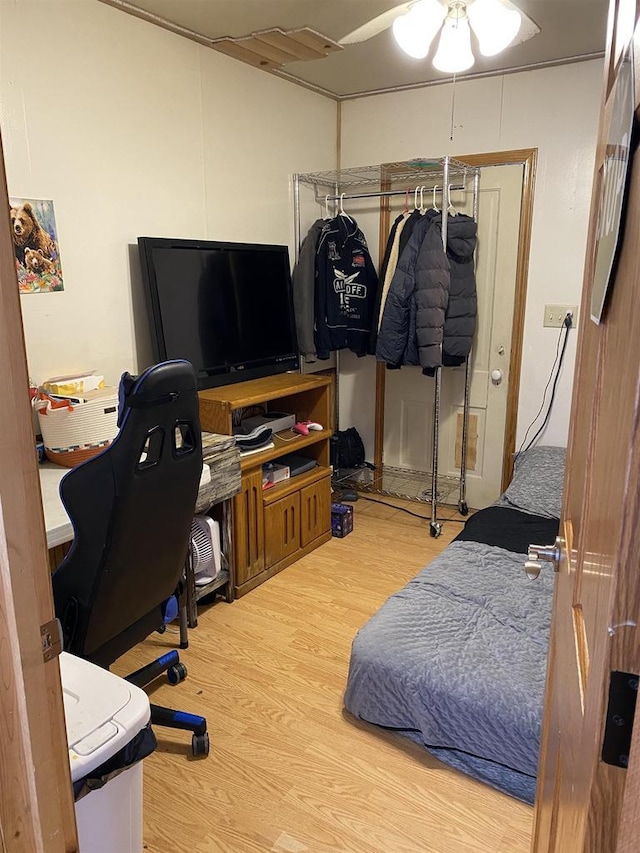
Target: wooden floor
column 288, row 771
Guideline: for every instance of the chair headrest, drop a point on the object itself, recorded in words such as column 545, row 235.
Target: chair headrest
column 158, row 385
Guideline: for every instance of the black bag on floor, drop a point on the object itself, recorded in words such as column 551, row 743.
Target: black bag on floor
column 350, row 448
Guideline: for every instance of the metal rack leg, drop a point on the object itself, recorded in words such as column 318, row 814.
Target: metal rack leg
column 462, row 504
column 435, row 528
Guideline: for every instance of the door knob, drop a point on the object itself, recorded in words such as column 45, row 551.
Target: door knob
column 539, row 554
column 496, row 376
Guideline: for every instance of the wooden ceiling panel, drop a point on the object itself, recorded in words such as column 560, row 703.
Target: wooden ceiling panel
column 275, row 47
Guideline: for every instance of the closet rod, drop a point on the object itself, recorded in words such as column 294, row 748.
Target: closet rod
column 381, row 194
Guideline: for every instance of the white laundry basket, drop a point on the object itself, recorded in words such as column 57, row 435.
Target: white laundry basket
column 103, row 715
column 75, row 431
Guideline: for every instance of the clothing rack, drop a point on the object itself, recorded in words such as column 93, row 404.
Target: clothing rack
column 440, row 173
column 388, row 193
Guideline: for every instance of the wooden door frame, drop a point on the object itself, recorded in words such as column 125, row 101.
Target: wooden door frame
column 36, row 797
column 528, row 158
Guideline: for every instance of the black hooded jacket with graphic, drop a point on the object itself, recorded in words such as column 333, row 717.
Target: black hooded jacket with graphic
column 346, row 289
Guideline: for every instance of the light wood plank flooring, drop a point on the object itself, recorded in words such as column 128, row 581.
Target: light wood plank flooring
column 287, row 770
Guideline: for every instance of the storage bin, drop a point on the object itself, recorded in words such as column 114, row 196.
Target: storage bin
column 107, row 728
column 74, row 431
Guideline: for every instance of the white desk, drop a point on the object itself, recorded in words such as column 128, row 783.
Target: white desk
column 59, row 528
column 218, row 483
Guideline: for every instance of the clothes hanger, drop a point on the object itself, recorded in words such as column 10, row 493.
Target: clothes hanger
column 341, row 210
column 327, row 215
column 423, row 209
column 406, row 200
column 450, row 208
column 434, row 205
column 415, row 198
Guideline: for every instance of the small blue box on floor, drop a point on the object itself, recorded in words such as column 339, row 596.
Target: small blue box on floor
column 341, row 520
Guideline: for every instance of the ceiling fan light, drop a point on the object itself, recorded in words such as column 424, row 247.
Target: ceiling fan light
column 415, row 31
column 494, row 24
column 454, row 51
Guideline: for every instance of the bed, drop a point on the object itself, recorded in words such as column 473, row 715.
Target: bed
column 456, row 660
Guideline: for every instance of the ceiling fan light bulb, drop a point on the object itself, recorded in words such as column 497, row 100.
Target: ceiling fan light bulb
column 415, row 31
column 454, row 50
column 494, row 24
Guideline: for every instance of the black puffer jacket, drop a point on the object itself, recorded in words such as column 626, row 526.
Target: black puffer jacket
column 430, row 312
column 413, row 319
column 462, row 309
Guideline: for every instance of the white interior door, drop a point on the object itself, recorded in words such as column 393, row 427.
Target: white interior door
column 408, row 418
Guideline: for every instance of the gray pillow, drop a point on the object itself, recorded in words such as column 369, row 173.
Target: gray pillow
column 537, row 482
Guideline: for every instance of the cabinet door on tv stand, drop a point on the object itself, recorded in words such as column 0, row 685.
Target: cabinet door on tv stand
column 248, row 529
column 282, row 529
column 315, row 506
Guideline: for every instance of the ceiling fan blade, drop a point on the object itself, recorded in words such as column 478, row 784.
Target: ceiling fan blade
column 528, row 28
column 375, row 25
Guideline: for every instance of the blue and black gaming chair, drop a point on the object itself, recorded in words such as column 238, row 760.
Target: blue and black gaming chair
column 131, row 508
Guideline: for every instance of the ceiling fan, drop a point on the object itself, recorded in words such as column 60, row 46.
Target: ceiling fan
column 497, row 24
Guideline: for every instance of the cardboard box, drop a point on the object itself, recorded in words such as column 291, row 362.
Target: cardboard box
column 274, row 473
column 341, row 520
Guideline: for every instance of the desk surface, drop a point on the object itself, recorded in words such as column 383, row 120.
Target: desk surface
column 59, row 528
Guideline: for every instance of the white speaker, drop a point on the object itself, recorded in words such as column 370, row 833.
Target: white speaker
column 205, row 549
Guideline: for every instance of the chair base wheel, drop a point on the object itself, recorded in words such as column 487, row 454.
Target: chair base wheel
column 463, row 509
column 435, row 529
column 176, row 673
column 200, row 745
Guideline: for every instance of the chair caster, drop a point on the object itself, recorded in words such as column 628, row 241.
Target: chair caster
column 435, row 529
column 176, row 673
column 200, row 745
column 463, row 509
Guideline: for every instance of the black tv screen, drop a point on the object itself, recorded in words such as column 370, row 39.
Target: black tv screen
column 225, row 307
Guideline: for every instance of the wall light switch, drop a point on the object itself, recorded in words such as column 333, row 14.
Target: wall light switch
column 554, row 315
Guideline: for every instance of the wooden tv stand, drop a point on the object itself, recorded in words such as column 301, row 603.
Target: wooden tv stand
column 275, row 527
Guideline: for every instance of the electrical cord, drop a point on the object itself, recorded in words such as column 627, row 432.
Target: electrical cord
column 546, row 388
column 558, row 360
column 294, row 437
column 409, row 511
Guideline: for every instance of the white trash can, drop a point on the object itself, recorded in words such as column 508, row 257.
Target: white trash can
column 107, row 721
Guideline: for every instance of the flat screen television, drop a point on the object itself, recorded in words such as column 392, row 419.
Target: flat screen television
column 225, row 307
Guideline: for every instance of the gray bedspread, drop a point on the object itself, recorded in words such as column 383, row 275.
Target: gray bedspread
column 457, row 661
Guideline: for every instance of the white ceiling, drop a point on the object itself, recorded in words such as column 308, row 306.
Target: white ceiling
column 570, row 30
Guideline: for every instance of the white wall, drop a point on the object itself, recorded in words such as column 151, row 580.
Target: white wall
column 134, row 131
column 555, row 110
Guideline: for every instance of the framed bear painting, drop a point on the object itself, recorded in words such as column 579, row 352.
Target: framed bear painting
column 35, row 243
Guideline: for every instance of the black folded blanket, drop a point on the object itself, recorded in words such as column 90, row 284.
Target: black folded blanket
column 510, row 529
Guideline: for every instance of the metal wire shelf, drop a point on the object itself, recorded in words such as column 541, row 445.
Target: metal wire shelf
column 406, row 172
column 404, row 483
